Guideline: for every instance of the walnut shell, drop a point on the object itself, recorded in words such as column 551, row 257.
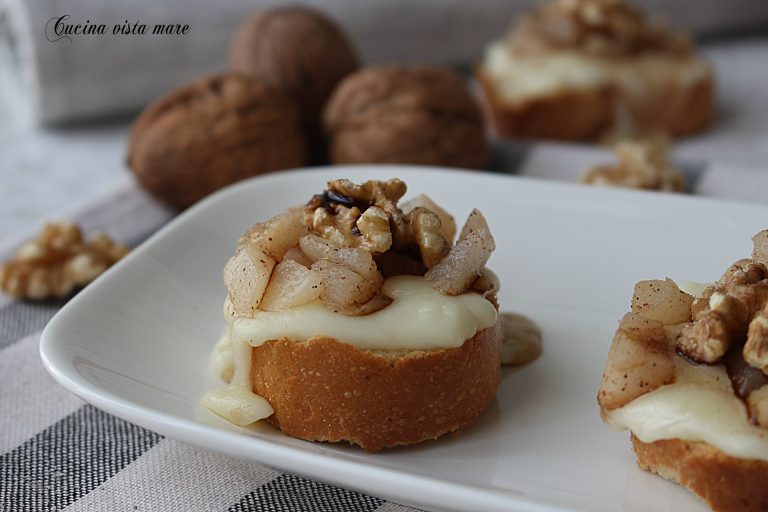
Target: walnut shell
column 407, row 115
column 297, row 50
column 211, row 133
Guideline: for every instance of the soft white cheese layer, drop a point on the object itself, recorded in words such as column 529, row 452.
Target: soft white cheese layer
column 518, row 79
column 419, row 318
column 693, row 288
column 699, row 406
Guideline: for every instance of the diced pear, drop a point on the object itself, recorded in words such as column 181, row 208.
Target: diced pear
column 246, row 276
column 292, row 285
column 639, row 361
column 760, row 253
column 463, row 264
column 278, row 234
column 359, row 261
column 475, row 223
column 342, row 287
column 296, row 254
column 662, row 301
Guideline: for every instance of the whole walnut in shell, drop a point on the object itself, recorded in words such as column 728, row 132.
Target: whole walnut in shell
column 213, row 132
column 407, row 115
column 297, row 50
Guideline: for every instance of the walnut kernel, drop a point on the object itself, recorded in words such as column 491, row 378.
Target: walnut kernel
column 602, row 28
column 756, row 348
column 361, row 216
column 730, row 311
column 57, row 262
column 427, row 232
column 373, row 226
column 641, row 166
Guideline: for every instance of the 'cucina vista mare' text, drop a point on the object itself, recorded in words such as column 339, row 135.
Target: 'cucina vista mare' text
column 61, row 28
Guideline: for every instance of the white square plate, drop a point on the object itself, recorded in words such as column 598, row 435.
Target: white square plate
column 136, row 342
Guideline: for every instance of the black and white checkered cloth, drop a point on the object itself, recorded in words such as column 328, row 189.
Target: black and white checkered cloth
column 59, row 453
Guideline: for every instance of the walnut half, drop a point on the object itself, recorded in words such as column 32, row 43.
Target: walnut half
column 756, row 348
column 601, row 28
column 360, row 216
column 734, row 309
column 426, row 227
column 57, row 262
column 709, row 337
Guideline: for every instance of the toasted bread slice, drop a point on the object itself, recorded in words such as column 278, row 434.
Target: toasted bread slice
column 602, row 111
column 327, row 390
column 725, row 483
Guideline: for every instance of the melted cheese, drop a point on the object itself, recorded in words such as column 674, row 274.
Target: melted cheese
column 419, row 318
column 699, row 406
column 693, row 288
column 222, row 362
column 520, row 79
column 237, row 404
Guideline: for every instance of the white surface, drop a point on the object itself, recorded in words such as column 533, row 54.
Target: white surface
column 44, row 174
column 740, row 132
column 136, row 341
column 567, row 162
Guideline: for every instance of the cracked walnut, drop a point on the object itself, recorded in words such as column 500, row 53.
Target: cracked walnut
column 57, row 262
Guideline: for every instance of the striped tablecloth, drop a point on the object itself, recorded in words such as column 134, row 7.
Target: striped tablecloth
column 59, row 453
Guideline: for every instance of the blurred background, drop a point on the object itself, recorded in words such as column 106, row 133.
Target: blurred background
column 66, row 105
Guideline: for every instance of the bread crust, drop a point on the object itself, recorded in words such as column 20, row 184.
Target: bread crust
column 326, row 390
column 568, row 115
column 724, row 482
column 689, row 109
column 590, row 114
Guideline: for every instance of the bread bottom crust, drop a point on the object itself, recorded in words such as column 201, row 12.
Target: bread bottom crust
column 724, row 482
column 568, row 115
column 326, row 390
column 590, row 114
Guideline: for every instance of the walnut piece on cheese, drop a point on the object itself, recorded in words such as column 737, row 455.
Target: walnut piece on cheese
column 724, row 316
